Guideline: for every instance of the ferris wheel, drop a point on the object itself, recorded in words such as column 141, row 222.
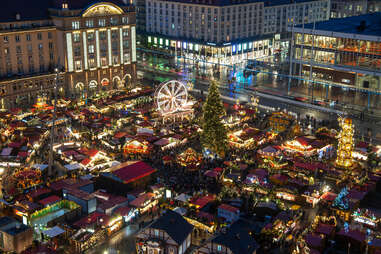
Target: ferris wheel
column 171, row 96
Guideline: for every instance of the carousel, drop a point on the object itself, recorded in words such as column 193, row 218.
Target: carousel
column 136, row 147
column 26, row 178
column 189, row 159
column 172, row 101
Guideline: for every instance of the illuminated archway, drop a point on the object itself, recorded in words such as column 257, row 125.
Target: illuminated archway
column 93, row 84
column 105, row 82
column 116, row 83
column 102, row 9
column 126, row 80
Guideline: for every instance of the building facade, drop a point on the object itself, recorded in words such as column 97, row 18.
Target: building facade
column 28, row 56
column 348, row 8
column 374, row 6
column 224, row 32
column 14, row 236
column 341, row 53
column 99, row 46
column 92, row 44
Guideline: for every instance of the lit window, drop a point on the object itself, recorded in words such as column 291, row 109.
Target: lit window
column 219, row 248
column 102, row 22
column 75, row 24
column 89, row 23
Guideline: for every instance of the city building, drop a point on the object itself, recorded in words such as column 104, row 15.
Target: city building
column 237, row 239
column 91, row 44
column 348, row 8
column 14, row 236
column 345, row 54
column 374, row 6
column 170, row 233
column 224, row 31
column 28, row 53
column 87, row 201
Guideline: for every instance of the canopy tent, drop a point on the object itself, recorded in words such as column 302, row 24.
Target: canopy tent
column 180, row 210
column 183, row 197
column 74, row 166
column 6, row 151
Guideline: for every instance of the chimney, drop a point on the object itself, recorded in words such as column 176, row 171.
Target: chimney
column 18, row 16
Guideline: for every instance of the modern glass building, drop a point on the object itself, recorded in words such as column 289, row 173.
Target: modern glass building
column 342, row 53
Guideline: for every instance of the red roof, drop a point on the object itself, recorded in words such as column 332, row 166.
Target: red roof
column 85, row 161
column 203, row 201
column 123, row 211
column 139, row 201
column 92, row 218
column 304, row 141
column 49, row 200
column 38, row 192
column 69, row 183
column 133, row 172
column 329, row 196
column 229, row 208
column 120, row 134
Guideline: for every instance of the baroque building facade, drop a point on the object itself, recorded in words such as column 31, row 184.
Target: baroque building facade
column 92, row 44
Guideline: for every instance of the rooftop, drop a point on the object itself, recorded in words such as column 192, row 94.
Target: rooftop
column 166, row 223
column 12, row 226
column 238, row 238
column 367, row 24
column 127, row 173
column 38, row 9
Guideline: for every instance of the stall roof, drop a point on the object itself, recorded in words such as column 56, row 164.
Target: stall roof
column 49, row 200
column 139, row 201
column 183, row 197
column 6, row 151
column 127, row 172
column 74, row 166
column 53, row 232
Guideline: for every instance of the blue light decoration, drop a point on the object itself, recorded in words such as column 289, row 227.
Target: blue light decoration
column 234, row 48
column 346, row 227
column 341, row 201
column 184, row 45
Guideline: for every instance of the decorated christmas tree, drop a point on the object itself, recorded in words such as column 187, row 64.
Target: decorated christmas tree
column 214, row 134
column 341, row 201
column 345, row 147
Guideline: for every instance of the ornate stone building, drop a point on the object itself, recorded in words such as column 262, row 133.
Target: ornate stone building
column 92, row 43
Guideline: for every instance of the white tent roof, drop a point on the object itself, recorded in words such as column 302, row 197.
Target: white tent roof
column 6, row 151
column 183, row 197
column 53, row 232
column 180, row 210
column 74, row 166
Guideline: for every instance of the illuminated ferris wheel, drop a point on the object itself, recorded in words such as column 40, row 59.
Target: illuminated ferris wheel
column 171, row 96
